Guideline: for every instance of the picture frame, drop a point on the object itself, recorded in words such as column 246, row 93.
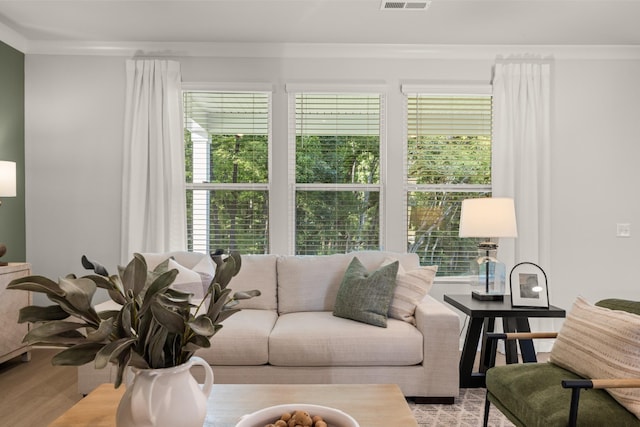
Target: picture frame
column 529, row 286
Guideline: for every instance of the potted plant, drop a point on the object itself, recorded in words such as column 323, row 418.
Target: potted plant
column 156, row 327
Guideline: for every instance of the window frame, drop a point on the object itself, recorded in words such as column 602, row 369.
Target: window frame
column 267, row 89
column 462, row 89
column 294, row 89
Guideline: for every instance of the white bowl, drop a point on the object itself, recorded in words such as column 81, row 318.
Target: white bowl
column 333, row 417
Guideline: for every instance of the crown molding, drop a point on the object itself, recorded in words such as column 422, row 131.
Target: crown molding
column 12, row 38
column 328, row 50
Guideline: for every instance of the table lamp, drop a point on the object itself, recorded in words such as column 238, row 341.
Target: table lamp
column 488, row 217
column 7, row 189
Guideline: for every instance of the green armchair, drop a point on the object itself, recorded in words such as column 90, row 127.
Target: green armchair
column 548, row 395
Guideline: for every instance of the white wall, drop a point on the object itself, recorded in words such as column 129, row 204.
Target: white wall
column 74, row 126
column 73, row 149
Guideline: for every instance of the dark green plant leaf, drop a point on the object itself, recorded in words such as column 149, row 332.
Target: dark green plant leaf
column 125, row 326
column 116, row 281
column 197, row 342
column 224, row 314
column 230, row 304
column 246, row 294
column 112, row 351
column 176, row 295
column 78, row 292
column 170, row 320
column 156, row 347
column 159, row 285
column 104, row 330
column 218, row 303
column 48, row 329
column 237, row 258
column 63, row 339
column 137, row 361
column 34, row 313
column 36, row 284
column 123, row 361
column 113, row 286
column 100, row 281
column 225, row 273
column 107, row 314
column 115, row 296
column 180, row 306
column 202, row 325
column 134, row 276
column 163, row 267
column 77, row 355
column 64, row 304
column 93, row 265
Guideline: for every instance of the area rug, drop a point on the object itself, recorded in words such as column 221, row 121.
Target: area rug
column 467, row 411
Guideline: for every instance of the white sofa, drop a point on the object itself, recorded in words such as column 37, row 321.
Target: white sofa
column 289, row 333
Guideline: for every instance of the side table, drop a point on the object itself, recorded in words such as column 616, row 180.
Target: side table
column 11, row 301
column 482, row 316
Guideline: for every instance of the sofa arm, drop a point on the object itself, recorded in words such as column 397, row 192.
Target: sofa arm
column 440, row 328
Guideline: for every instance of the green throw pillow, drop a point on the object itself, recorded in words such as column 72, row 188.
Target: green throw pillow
column 365, row 296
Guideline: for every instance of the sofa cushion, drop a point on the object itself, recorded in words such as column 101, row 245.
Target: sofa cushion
column 533, row 394
column 411, row 288
column 310, row 283
column 243, row 339
column 321, row 339
column 257, row 272
column 365, row 297
column 596, row 342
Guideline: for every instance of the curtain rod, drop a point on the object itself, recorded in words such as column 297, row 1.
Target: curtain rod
column 524, row 58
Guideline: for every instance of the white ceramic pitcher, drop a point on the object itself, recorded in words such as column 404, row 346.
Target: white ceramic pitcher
column 166, row 397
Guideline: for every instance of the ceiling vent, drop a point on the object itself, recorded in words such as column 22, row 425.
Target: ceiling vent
column 404, row 5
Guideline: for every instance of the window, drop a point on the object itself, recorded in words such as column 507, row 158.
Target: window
column 227, row 144
column 334, row 168
column 448, row 159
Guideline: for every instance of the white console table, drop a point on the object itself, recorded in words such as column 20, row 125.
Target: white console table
column 11, row 301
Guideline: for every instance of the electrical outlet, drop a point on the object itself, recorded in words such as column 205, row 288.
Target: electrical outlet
column 623, row 230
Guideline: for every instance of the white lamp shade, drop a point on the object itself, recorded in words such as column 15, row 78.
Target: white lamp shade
column 488, row 217
column 7, row 179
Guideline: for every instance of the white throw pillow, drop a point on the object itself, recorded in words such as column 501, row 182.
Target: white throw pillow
column 186, row 263
column 599, row 343
column 411, row 287
column 187, row 280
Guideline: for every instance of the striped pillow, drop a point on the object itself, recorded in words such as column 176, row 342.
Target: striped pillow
column 411, row 287
column 597, row 342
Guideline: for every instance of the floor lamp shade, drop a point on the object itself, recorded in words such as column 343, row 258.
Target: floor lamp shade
column 488, row 218
column 7, row 179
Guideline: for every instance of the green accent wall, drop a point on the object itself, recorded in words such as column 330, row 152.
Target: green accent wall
column 12, row 212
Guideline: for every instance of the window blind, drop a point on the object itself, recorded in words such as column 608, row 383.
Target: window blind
column 449, row 139
column 227, row 149
column 448, row 159
column 335, row 171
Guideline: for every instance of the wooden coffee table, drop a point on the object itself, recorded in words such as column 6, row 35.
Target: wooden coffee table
column 372, row 405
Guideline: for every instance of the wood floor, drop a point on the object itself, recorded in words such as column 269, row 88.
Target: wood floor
column 34, row 393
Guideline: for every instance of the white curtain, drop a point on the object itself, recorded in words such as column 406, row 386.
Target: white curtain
column 521, row 155
column 153, row 178
column 521, row 165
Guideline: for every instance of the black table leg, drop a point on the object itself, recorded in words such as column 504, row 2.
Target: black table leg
column 489, row 326
column 469, row 351
column 509, row 324
column 526, row 346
